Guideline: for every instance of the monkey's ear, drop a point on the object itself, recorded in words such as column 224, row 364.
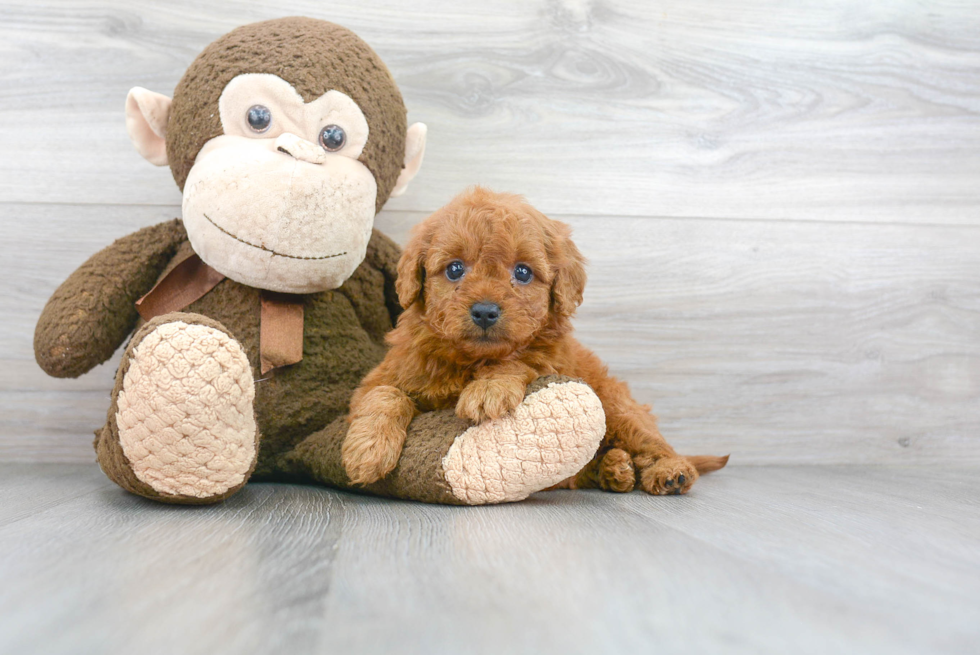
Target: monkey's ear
column 146, row 123
column 411, row 267
column 414, row 151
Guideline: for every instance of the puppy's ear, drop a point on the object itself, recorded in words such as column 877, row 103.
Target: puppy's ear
column 411, row 267
column 569, row 266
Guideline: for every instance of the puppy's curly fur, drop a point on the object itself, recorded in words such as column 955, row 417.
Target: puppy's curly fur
column 440, row 357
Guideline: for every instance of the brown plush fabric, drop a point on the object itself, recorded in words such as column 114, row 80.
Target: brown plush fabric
column 315, row 57
column 545, row 380
column 418, row 475
column 344, row 332
column 93, row 311
column 110, row 454
column 343, row 339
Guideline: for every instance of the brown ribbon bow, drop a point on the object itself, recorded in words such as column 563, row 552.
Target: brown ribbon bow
column 280, row 323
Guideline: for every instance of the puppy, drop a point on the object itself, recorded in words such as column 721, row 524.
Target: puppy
column 489, row 285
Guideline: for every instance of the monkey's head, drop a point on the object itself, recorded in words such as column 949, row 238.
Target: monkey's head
column 286, row 138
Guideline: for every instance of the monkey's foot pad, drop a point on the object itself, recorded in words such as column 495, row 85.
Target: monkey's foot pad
column 185, row 415
column 552, row 435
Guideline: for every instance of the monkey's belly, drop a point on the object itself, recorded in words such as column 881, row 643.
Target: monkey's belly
column 294, row 401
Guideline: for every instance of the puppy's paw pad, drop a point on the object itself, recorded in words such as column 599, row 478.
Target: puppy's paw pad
column 616, row 471
column 668, row 476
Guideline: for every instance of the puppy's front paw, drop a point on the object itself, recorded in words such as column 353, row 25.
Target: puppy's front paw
column 372, row 448
column 490, row 398
column 668, row 476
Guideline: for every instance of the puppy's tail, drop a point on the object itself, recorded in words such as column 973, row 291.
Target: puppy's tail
column 707, row 463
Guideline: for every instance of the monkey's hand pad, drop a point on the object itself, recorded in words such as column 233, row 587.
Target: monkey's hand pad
column 551, row 436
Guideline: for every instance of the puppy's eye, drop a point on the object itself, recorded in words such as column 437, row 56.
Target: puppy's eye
column 259, row 118
column 455, row 270
column 522, row 273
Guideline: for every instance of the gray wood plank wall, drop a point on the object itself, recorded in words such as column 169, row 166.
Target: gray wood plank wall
column 780, row 202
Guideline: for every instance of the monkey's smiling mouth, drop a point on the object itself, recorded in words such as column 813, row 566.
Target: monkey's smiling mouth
column 268, row 250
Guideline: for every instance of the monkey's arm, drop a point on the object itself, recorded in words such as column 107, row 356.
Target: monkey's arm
column 371, row 288
column 93, row 311
column 383, row 254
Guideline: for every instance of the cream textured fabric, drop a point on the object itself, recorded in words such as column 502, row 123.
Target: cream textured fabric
column 272, row 221
column 551, row 436
column 185, row 414
column 146, row 122
column 414, row 153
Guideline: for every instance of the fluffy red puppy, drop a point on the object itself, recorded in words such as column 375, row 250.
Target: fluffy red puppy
column 489, row 285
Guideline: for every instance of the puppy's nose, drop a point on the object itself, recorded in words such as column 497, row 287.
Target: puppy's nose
column 485, row 314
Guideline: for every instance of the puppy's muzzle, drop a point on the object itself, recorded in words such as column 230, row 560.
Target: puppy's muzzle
column 485, row 314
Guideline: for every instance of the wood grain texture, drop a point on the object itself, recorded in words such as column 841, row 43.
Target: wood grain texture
column 31, row 488
column 777, row 341
column 756, row 560
column 842, row 110
column 840, row 328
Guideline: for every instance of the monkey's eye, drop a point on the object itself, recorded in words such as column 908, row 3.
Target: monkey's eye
column 522, row 273
column 259, row 118
column 333, row 138
column 455, row 270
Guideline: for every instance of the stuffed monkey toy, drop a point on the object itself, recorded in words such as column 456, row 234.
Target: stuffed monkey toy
column 258, row 312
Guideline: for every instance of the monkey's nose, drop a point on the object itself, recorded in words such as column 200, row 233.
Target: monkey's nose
column 485, row 314
column 300, row 149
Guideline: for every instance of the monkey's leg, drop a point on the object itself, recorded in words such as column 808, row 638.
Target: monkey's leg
column 181, row 427
column 552, row 434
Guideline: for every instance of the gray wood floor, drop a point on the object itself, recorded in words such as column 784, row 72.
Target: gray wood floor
column 766, row 559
